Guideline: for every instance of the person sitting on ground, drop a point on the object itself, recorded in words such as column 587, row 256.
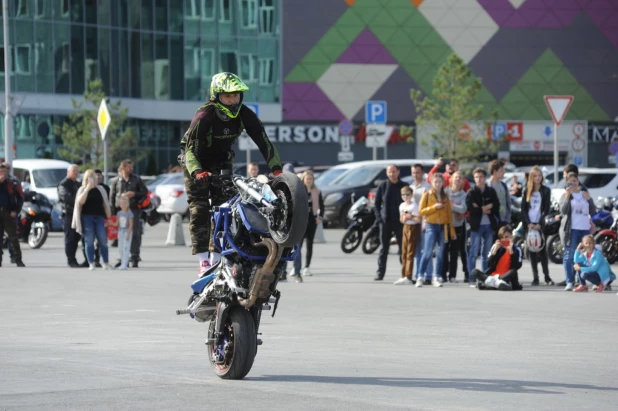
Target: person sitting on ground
column 592, row 266
column 503, row 262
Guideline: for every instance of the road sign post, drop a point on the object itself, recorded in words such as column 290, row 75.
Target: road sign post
column 346, row 129
column 558, row 106
column 375, row 119
column 104, row 120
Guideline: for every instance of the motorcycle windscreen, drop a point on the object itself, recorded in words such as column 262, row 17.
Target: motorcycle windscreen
column 253, row 220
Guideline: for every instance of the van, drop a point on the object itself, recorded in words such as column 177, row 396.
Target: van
column 41, row 175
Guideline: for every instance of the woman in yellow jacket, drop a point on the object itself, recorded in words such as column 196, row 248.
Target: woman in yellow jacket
column 435, row 207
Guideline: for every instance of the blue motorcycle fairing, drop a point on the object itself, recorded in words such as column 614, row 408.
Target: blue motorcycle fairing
column 602, row 218
column 252, row 219
column 199, row 285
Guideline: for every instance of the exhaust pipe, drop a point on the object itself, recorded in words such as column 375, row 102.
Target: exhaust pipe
column 264, row 275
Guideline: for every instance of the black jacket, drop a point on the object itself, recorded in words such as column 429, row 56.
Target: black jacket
column 15, row 194
column 120, row 186
column 67, row 190
column 388, row 198
column 481, row 198
column 492, row 260
column 545, row 206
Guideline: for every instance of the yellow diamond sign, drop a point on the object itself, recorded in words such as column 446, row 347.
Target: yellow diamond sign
column 103, row 118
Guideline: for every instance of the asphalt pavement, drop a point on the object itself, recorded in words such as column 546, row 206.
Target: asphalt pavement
column 71, row 339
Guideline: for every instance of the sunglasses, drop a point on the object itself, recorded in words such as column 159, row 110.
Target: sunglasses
column 406, row 194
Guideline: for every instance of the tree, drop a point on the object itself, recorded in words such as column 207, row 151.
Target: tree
column 82, row 139
column 451, row 110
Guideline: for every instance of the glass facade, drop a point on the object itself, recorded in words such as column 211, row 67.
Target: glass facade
column 151, row 49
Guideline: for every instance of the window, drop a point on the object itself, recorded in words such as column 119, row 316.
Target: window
column 225, row 11
column 267, row 16
column 267, row 71
column 247, row 67
column 21, row 9
column 23, row 59
column 596, row 180
column 249, row 15
column 199, row 62
column 200, row 9
column 228, row 61
column 66, row 7
column 39, row 12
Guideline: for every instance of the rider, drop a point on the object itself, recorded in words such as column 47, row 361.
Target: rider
column 206, row 149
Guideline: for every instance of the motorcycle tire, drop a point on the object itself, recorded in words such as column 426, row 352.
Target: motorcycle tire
column 240, row 329
column 288, row 187
column 372, row 241
column 555, row 249
column 38, row 235
column 351, row 240
column 609, row 246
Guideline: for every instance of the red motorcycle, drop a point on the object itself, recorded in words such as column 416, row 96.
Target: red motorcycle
column 608, row 238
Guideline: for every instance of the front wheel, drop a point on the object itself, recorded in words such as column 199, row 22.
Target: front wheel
column 608, row 246
column 351, row 240
column 372, row 242
column 555, row 249
column 38, row 235
column 232, row 355
column 290, row 223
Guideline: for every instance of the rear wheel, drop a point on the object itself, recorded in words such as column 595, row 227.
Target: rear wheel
column 351, row 240
column 290, row 228
column 608, row 246
column 232, row 355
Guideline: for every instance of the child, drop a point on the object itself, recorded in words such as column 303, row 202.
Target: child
column 124, row 221
column 592, row 266
column 503, row 262
column 408, row 216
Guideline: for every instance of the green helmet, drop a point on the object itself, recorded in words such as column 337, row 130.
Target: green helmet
column 227, row 83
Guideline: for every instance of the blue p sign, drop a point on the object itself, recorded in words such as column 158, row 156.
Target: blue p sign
column 254, row 107
column 499, row 131
column 375, row 112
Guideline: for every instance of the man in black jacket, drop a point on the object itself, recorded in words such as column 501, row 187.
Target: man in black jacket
column 67, row 190
column 386, row 208
column 11, row 200
column 134, row 188
column 504, row 262
column 483, row 206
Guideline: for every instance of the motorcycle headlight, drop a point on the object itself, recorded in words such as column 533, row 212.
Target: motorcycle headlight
column 268, row 193
column 31, row 212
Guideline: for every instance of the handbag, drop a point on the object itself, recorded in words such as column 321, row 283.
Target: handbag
column 112, row 230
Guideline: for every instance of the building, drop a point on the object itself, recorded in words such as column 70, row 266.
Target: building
column 311, row 64
column 156, row 56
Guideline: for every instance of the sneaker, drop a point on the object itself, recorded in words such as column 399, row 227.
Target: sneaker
column 436, row 282
column 419, row 283
column 298, row 278
column 568, row 287
column 307, row 272
column 427, row 282
column 562, row 284
column 106, row 267
column 19, row 263
column 123, row 268
column 204, row 266
column 580, row 288
column 503, row 285
column 91, row 267
column 548, row 281
column 403, row 281
column 600, row 288
column 118, row 264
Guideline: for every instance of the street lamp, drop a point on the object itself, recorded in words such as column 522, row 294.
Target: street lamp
column 8, row 116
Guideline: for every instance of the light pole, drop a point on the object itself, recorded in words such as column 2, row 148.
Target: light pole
column 8, row 116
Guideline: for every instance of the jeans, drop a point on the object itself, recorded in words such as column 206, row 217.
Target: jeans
column 576, row 238
column 592, row 277
column 136, row 241
column 94, row 226
column 486, row 234
column 420, row 246
column 434, row 237
column 124, row 247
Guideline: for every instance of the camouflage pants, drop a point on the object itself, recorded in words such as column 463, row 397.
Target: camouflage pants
column 201, row 198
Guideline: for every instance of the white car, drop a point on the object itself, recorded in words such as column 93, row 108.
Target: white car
column 601, row 182
column 171, row 189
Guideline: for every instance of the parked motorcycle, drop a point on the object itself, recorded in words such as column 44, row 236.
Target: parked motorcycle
column 608, row 238
column 256, row 231
column 362, row 217
column 34, row 219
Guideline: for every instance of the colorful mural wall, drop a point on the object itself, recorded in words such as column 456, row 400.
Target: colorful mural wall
column 337, row 54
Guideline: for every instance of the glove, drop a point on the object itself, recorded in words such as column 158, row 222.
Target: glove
column 278, row 172
column 203, row 176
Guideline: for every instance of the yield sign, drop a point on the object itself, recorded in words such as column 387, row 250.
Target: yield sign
column 558, row 107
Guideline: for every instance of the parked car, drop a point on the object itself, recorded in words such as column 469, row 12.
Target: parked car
column 171, row 190
column 43, row 176
column 359, row 179
column 327, row 177
column 600, row 182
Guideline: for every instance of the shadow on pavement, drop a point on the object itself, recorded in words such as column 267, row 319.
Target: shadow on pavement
column 465, row 384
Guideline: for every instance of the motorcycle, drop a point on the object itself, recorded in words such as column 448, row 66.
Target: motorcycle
column 608, row 238
column 256, row 231
column 362, row 218
column 34, row 219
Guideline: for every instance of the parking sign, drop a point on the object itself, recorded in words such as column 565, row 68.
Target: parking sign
column 254, row 107
column 375, row 112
